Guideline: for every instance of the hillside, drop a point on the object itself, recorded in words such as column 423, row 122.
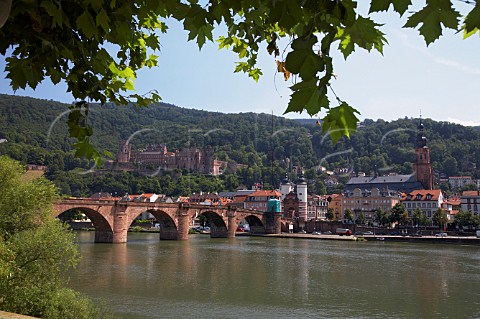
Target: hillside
column 245, row 138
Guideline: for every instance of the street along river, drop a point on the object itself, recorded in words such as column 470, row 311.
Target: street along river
column 256, row 277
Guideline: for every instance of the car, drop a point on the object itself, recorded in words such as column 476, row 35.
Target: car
column 441, row 235
column 368, row 233
column 302, row 232
column 328, row 232
column 358, row 233
column 317, row 232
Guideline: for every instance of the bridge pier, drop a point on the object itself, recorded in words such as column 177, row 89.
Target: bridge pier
column 232, row 223
column 120, row 226
column 182, row 222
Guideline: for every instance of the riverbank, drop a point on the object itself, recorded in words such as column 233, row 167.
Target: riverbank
column 471, row 240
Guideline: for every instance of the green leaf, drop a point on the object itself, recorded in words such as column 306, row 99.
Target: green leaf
column 103, row 20
column 86, row 24
column 399, row 6
column 340, row 121
column 435, row 14
column 363, row 32
column 472, row 21
column 54, row 12
column 302, row 60
column 307, row 96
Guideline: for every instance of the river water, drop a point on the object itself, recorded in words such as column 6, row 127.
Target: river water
column 256, row 277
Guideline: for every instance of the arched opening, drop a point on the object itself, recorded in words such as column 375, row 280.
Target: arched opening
column 89, row 217
column 255, row 224
column 218, row 228
column 161, row 220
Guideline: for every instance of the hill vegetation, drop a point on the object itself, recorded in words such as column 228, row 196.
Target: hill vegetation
column 37, row 133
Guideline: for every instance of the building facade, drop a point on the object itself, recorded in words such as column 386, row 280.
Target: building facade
column 470, row 201
column 429, row 201
column 368, row 201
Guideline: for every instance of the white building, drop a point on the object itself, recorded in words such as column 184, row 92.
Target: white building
column 470, row 201
column 457, row 182
column 429, row 201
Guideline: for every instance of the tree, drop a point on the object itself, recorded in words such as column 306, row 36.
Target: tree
column 329, row 214
column 397, row 212
column 35, row 251
column 440, row 218
column 348, row 215
column 68, row 43
column 419, row 217
column 361, row 219
column 463, row 218
column 381, row 216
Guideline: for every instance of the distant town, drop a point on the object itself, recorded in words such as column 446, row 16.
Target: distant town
column 366, row 200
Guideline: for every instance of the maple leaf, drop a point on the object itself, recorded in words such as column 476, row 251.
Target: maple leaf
column 472, row 21
column 399, row 6
column 302, row 60
column 339, row 121
column 435, row 14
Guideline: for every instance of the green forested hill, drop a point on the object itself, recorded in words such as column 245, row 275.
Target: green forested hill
column 245, row 138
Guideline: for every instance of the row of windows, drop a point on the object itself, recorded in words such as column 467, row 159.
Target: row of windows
column 422, row 205
column 368, row 202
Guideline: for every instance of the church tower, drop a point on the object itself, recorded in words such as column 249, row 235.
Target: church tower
column 302, row 198
column 422, row 165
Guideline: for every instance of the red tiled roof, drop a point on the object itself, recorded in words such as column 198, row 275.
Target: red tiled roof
column 239, row 199
column 423, row 192
column 470, row 193
column 263, row 193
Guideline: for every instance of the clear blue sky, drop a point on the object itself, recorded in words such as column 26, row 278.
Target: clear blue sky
column 443, row 80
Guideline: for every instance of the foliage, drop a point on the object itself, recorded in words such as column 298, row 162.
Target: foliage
column 419, row 217
column 361, row 219
column 467, row 218
column 440, row 218
column 330, row 214
column 397, row 213
column 72, row 44
column 35, row 251
column 381, row 217
column 348, row 215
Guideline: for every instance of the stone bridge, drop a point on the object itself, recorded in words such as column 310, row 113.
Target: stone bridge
column 112, row 218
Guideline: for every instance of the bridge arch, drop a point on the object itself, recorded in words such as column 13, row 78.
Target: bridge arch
column 256, row 224
column 103, row 226
column 168, row 225
column 218, row 227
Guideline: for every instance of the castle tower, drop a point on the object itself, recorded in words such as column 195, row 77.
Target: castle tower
column 285, row 187
column 302, row 198
column 124, row 152
column 422, row 165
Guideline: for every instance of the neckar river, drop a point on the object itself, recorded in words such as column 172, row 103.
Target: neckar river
column 256, row 277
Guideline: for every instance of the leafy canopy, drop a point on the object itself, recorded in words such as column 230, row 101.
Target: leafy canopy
column 35, row 251
column 97, row 47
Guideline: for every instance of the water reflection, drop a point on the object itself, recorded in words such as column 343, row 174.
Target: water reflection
column 281, row 278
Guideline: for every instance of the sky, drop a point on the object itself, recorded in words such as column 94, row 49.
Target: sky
column 441, row 81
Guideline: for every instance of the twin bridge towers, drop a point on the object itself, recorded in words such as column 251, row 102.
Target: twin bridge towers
column 112, row 218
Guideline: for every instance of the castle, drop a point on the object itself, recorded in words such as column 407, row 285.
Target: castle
column 197, row 160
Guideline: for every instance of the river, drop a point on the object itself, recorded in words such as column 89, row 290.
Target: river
column 257, row 277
